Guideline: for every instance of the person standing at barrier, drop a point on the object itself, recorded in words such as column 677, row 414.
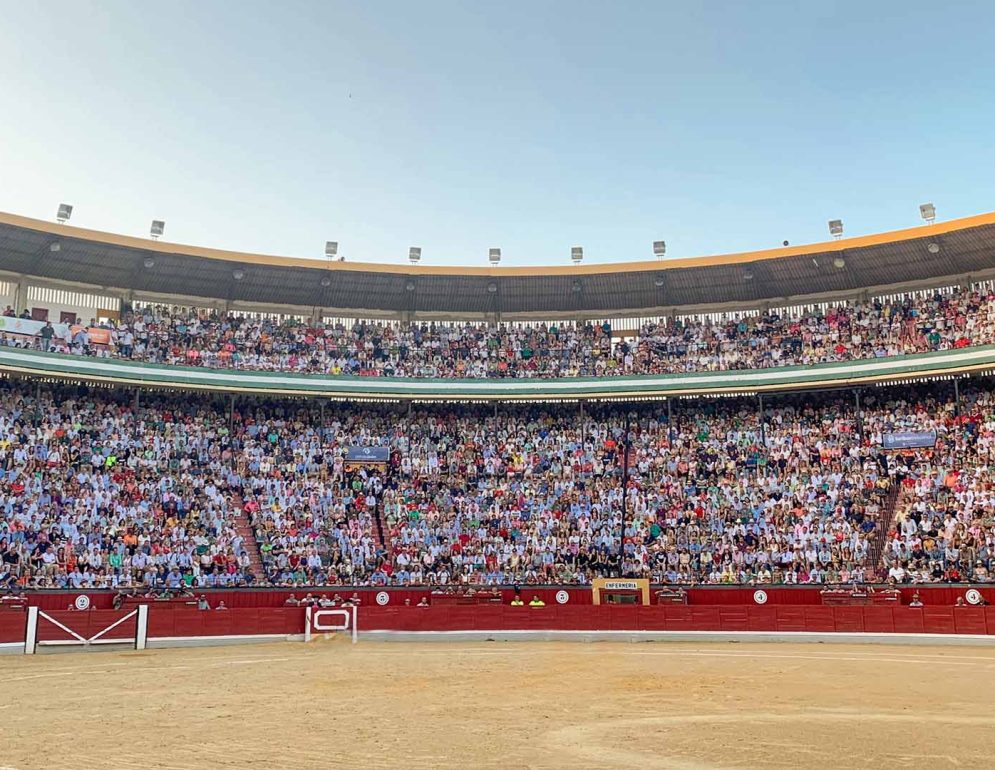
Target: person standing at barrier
column 537, row 602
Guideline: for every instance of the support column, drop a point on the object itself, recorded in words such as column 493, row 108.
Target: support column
column 957, row 397
column 626, row 447
column 860, row 416
column 231, row 415
column 763, row 427
column 20, row 295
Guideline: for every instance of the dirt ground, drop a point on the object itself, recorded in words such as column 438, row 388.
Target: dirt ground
column 501, row 705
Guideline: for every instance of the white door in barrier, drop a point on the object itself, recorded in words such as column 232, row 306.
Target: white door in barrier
column 139, row 616
column 314, row 620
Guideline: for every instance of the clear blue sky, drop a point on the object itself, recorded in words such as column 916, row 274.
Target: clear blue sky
column 534, row 126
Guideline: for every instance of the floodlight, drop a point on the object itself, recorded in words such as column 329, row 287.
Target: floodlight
column 659, row 249
column 331, row 249
column 414, row 255
column 836, row 228
column 65, row 211
column 157, row 227
column 928, row 213
column 577, row 254
column 494, row 255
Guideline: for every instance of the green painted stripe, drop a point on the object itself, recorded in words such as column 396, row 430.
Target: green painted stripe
column 789, row 377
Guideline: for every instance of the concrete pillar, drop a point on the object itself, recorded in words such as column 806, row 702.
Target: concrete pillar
column 20, row 295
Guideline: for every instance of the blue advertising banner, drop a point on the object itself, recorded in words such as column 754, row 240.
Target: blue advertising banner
column 367, row 454
column 909, row 439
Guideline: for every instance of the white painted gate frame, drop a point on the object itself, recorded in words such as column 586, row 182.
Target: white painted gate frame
column 313, row 616
column 141, row 613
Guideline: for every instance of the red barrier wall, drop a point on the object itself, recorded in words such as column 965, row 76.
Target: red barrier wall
column 931, row 596
column 236, row 622
column 12, row 624
column 280, row 621
column 937, row 620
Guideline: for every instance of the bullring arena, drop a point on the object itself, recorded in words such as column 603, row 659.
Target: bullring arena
column 399, row 695
column 258, row 513
column 503, row 705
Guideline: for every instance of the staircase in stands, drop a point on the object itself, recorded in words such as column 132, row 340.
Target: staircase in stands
column 248, row 534
column 381, row 527
column 885, row 528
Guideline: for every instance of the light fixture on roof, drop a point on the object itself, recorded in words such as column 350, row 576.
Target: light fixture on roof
column 928, row 213
column 839, row 263
column 238, row 274
column 659, row 281
column 659, row 249
column 414, row 255
column 55, row 247
column 409, row 286
column 494, row 255
column 577, row 254
column 576, row 287
column 326, row 281
column 836, row 228
column 331, row 249
column 492, row 288
column 785, row 243
column 149, row 263
column 65, row 211
column 933, row 247
column 158, row 226
column 748, row 274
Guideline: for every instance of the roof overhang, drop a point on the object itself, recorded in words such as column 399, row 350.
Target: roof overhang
column 962, row 247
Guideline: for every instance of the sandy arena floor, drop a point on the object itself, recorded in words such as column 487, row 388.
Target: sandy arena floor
column 501, row 705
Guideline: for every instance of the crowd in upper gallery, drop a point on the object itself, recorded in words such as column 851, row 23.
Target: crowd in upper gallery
column 845, row 332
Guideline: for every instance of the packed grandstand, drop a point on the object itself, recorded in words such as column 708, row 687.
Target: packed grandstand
column 845, row 332
column 128, row 484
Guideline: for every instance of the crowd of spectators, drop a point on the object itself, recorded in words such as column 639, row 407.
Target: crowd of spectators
column 535, row 497
column 95, row 494
column 99, row 489
column 945, row 528
column 873, row 329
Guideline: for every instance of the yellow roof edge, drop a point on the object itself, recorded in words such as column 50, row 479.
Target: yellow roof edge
column 164, row 247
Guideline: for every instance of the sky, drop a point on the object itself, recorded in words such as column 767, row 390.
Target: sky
column 531, row 126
